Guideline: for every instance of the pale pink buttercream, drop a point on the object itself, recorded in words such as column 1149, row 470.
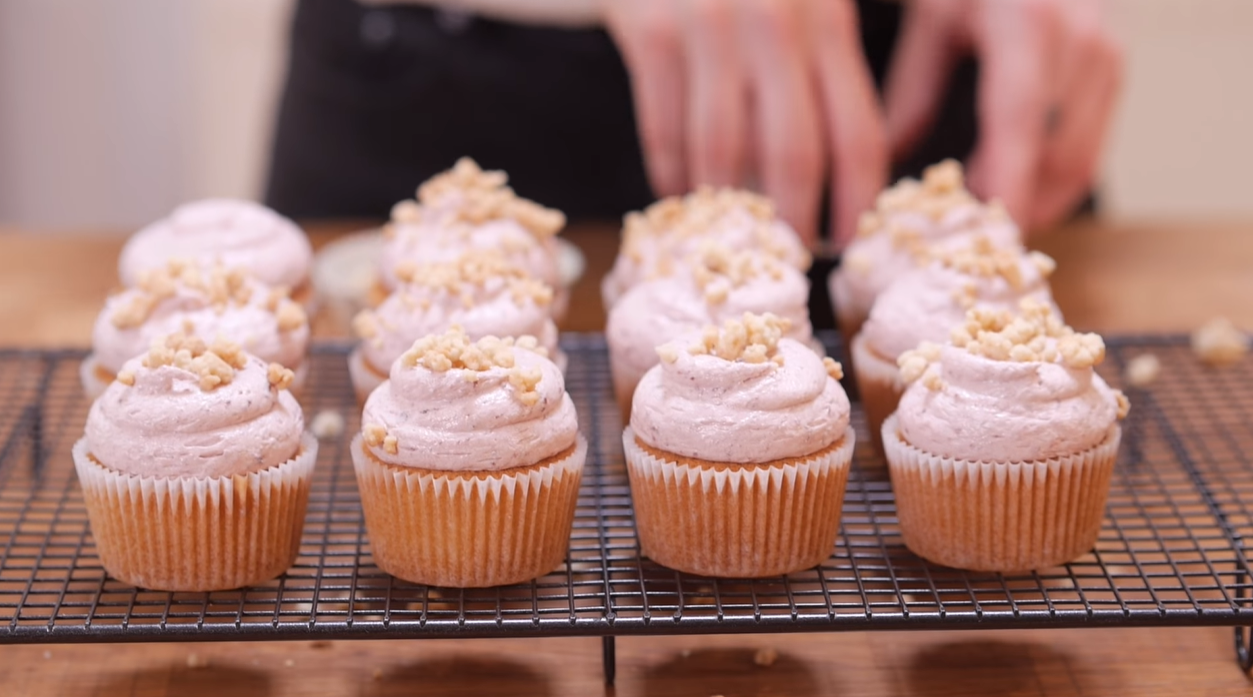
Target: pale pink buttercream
column 707, row 407
column 872, row 262
column 925, row 304
column 443, row 237
column 414, row 311
column 165, row 425
column 252, row 325
column 444, row 421
column 653, row 254
column 657, row 311
column 233, row 233
column 1006, row 411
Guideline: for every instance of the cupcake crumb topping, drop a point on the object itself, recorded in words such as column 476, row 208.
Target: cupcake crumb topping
column 221, row 287
column 126, row 377
column 719, row 270
column 476, row 270
column 683, row 217
column 751, row 339
column 983, row 259
column 483, row 196
column 280, row 378
column 834, row 369
column 376, row 436
column 214, row 365
column 453, row 350
column 942, row 189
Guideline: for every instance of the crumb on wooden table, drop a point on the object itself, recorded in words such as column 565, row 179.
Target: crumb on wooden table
column 765, row 657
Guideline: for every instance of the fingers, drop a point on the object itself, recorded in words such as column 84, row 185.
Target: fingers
column 716, row 124
column 1015, row 41
column 648, row 34
column 918, row 76
column 789, row 140
column 854, row 121
column 1085, row 110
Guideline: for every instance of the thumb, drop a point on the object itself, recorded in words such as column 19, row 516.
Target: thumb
column 920, row 67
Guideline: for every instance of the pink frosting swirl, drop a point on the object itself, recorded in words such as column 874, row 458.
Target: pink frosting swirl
column 446, row 420
column 649, row 253
column 925, row 303
column 253, row 325
column 871, row 263
column 414, row 311
column 707, row 407
column 1005, row 411
column 438, row 238
column 233, row 233
column 165, row 425
column 657, row 311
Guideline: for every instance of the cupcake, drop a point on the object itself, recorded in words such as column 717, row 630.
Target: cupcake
column 469, row 210
column 195, row 468
column 209, row 301
column 908, row 218
column 675, row 227
column 480, row 292
column 469, row 463
column 927, row 302
column 738, row 452
column 233, row 233
column 716, row 285
column 1001, row 450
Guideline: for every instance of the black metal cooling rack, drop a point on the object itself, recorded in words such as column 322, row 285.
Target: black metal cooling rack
column 1171, row 551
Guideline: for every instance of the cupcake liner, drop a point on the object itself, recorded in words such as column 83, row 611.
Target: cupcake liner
column 738, row 521
column 993, row 516
column 188, row 534
column 469, row 529
column 878, row 385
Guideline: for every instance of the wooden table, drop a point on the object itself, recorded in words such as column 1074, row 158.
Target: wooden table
column 1152, row 277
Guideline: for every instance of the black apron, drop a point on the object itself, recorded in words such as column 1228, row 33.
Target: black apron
column 379, row 99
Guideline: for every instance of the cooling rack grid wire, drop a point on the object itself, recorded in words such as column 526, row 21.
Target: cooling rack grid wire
column 1171, row 550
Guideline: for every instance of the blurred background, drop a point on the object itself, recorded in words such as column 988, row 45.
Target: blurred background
column 112, row 113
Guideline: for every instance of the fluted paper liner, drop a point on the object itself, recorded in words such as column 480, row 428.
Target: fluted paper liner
column 738, row 520
column 197, row 534
column 994, row 516
column 879, row 386
column 469, row 529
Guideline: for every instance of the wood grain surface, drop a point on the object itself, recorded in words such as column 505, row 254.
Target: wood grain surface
column 1129, row 278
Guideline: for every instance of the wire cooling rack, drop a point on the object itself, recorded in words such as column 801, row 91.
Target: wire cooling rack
column 1171, row 551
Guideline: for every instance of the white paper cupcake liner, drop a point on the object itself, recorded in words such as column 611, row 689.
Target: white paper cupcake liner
column 994, row 516
column 190, row 534
column 469, row 529
column 878, row 385
column 738, row 521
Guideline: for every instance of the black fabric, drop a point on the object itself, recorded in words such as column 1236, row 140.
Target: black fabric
column 379, row 99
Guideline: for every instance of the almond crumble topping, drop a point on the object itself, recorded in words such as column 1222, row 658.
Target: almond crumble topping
column 281, row 378
column 220, row 287
column 454, row 350
column 214, row 365
column 752, row 339
column 941, row 190
column 478, row 196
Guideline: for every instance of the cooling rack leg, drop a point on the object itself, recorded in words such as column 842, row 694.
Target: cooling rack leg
column 1243, row 655
column 609, row 659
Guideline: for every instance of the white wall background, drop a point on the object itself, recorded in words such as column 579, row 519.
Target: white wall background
column 113, row 111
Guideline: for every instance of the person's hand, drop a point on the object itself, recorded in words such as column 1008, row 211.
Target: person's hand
column 1049, row 76
column 771, row 93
